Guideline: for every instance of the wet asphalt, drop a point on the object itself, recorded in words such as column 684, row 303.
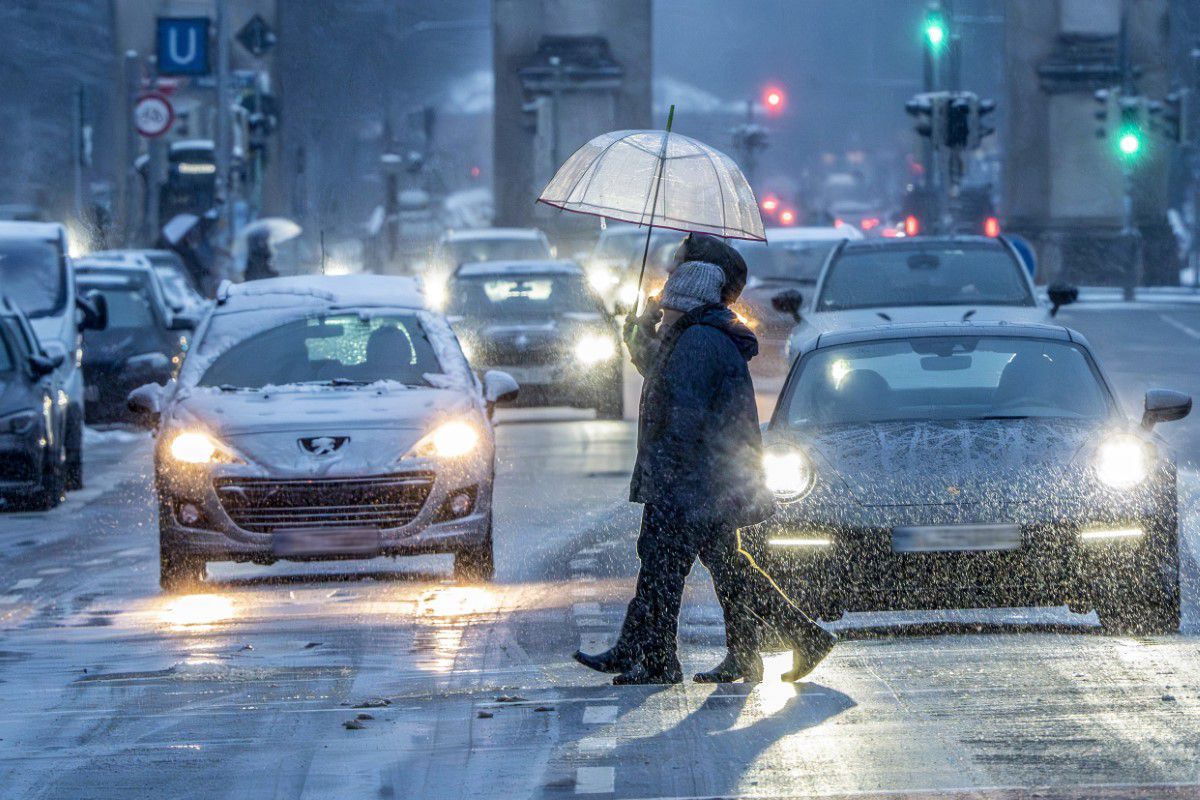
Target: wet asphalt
column 388, row 679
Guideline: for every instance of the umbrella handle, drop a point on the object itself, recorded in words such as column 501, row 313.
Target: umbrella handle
column 662, row 155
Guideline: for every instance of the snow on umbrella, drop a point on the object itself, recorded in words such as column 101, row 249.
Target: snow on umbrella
column 658, row 179
column 278, row 229
column 178, row 227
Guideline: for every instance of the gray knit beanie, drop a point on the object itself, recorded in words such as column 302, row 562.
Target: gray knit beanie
column 692, row 284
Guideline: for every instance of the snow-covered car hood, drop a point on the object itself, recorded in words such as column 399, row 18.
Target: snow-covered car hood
column 954, row 462
column 378, row 423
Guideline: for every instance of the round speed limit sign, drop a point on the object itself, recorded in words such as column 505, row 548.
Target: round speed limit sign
column 153, row 115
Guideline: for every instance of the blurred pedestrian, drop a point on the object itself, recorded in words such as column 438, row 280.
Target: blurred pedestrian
column 260, row 257
column 699, row 475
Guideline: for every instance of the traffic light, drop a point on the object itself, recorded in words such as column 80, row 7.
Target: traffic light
column 929, row 112
column 935, row 29
column 1104, row 101
column 1129, row 134
column 1173, row 114
column 983, row 125
column 958, row 122
column 773, row 99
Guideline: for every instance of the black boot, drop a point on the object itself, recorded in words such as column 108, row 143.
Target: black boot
column 807, row 653
column 746, row 667
column 613, row 661
column 641, row 675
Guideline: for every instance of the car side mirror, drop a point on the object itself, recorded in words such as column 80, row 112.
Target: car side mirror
column 1165, row 405
column 788, row 301
column 499, row 387
column 182, row 321
column 145, row 402
column 1061, row 294
column 43, row 365
column 93, row 307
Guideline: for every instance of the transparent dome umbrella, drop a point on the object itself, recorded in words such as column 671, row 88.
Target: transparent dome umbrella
column 658, row 179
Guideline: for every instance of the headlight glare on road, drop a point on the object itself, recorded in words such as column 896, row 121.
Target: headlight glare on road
column 593, row 349
column 197, row 447
column 789, row 473
column 1122, row 461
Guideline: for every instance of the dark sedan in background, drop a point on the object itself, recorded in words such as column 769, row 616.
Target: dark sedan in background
column 144, row 342
column 540, row 322
column 33, row 417
column 969, row 465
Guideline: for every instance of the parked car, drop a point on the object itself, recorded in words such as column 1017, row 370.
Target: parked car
column 320, row 418
column 974, row 465
column 177, row 285
column 38, row 275
column 144, row 341
column 540, row 322
column 33, row 417
column 926, row 279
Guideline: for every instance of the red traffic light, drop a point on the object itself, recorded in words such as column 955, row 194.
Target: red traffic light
column 770, row 204
column 773, row 99
column 787, row 216
column 991, row 227
column 912, row 225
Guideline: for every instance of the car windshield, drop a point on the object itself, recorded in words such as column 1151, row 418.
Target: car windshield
column 345, row 349
column 944, row 378
column 472, row 251
column 33, row 275
column 129, row 306
column 923, row 276
column 786, row 261
column 520, row 296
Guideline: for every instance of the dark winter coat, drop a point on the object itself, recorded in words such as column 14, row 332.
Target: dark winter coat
column 699, row 444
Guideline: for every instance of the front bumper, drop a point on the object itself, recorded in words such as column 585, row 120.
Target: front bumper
column 240, row 525
column 21, row 458
column 842, row 559
column 566, row 383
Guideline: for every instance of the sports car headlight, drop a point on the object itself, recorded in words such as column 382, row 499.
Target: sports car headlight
column 593, row 349
column 1123, row 461
column 197, row 447
column 448, row 440
column 789, row 473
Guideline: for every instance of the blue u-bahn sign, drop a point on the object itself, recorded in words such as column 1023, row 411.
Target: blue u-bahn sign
column 182, row 45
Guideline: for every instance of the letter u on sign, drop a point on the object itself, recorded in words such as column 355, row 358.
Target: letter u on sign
column 183, row 45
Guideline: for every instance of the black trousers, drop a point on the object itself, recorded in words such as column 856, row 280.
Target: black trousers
column 749, row 601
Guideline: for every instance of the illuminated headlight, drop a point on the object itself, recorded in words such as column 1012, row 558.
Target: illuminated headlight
column 628, row 294
column 789, row 473
column 594, row 349
column 601, row 279
column 436, row 291
column 448, row 440
column 195, row 447
column 1123, row 461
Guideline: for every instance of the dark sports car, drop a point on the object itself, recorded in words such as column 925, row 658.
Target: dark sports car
column 969, row 465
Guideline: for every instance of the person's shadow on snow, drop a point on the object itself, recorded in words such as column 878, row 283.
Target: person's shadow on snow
column 709, row 751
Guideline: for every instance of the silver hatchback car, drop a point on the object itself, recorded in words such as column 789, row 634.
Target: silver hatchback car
column 321, row 418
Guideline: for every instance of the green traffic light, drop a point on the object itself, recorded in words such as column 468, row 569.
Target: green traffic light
column 1129, row 143
column 935, row 31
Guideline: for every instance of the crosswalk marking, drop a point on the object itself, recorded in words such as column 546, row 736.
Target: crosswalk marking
column 599, row 715
column 25, row 583
column 595, row 780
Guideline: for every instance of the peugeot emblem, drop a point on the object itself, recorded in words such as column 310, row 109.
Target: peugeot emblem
column 954, row 491
column 323, row 445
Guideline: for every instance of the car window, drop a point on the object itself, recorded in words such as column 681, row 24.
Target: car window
column 922, row 276
column 520, row 296
column 129, row 307
column 33, row 275
column 350, row 348
column 476, row 250
column 945, row 378
column 788, row 261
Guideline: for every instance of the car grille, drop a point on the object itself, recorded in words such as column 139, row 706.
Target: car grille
column 263, row 505
column 533, row 354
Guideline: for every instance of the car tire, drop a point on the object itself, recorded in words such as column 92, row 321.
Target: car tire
column 74, row 444
column 477, row 563
column 1144, row 610
column 612, row 399
column 50, row 489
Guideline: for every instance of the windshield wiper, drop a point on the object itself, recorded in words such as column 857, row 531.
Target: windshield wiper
column 344, row 382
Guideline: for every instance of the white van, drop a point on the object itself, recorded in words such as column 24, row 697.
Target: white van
column 36, row 274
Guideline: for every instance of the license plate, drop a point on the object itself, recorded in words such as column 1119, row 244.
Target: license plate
column 325, row 542
column 532, row 375
column 950, row 538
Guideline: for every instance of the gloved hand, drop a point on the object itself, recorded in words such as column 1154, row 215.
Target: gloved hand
column 640, row 335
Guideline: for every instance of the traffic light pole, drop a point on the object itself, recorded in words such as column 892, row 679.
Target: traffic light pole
column 1130, row 235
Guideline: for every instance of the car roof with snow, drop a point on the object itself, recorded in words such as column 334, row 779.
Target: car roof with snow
column 474, row 234
column 330, row 291
column 806, row 234
column 922, row 330
column 529, row 267
column 925, row 243
column 47, row 231
column 95, row 264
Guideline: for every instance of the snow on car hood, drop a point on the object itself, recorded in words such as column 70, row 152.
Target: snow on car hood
column 869, row 317
column 954, row 462
column 379, row 423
